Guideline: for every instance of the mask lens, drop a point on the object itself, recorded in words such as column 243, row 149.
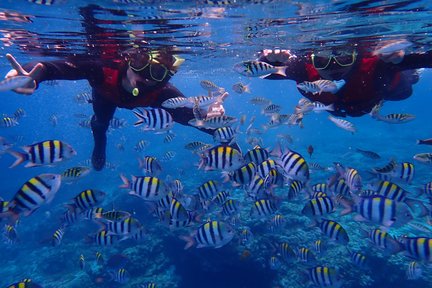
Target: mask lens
column 158, row 72
column 320, row 62
column 345, row 60
column 139, row 62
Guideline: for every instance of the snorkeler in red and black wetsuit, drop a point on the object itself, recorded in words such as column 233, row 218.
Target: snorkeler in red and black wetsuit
column 125, row 79
column 369, row 79
column 138, row 78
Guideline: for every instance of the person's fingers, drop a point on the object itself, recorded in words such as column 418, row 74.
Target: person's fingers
column 35, row 72
column 15, row 65
column 25, row 91
column 11, row 73
column 395, row 57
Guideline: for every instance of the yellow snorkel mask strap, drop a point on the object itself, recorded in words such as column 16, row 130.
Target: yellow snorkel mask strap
column 177, row 61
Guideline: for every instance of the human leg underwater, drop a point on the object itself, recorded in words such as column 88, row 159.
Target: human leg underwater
column 103, row 113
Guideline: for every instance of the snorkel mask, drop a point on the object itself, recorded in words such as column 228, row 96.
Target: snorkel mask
column 153, row 65
column 321, row 60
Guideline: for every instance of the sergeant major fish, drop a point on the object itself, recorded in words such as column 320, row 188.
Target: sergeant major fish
column 344, row 124
column 87, row 199
column 221, row 157
column 210, row 86
column 148, row 188
column 395, row 118
column 213, row 234
column 75, row 173
column 241, row 88
column 213, row 122
column 333, row 230
column 369, row 154
column 319, row 86
column 379, row 209
column 258, row 69
column 294, row 165
column 34, row 193
column 383, row 240
column 425, row 158
column 150, row 166
column 7, row 122
column 419, row 248
column 43, row 153
column 176, row 102
column 155, row 119
column 414, row 271
column 323, row 276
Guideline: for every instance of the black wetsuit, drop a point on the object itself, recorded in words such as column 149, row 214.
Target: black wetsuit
column 105, row 78
column 370, row 81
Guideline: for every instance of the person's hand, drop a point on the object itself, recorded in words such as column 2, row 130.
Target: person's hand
column 392, row 51
column 18, row 70
column 277, row 55
column 395, row 57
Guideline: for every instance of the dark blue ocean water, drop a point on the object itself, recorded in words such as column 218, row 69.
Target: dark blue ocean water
column 212, row 37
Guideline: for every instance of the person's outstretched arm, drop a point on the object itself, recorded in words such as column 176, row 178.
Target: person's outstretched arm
column 413, row 61
column 68, row 69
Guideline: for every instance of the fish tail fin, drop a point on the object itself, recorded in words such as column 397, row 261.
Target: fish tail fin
column 141, row 163
column 424, row 211
column 11, row 216
column 202, row 162
column 20, row 158
column 419, row 142
column 190, row 241
column 281, row 70
column 247, row 88
column 125, row 180
column 348, row 206
column 226, row 176
column 330, row 107
column 140, row 117
column 277, row 150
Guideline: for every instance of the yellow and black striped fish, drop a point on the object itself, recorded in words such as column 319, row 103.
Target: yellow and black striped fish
column 82, row 262
column 99, row 258
column 58, row 236
column 25, row 283
column 221, row 157
column 75, row 173
column 263, row 208
column 148, row 188
column 334, row 231
column 43, row 153
column 209, row 189
column 323, row 276
column 34, row 193
column 88, row 199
